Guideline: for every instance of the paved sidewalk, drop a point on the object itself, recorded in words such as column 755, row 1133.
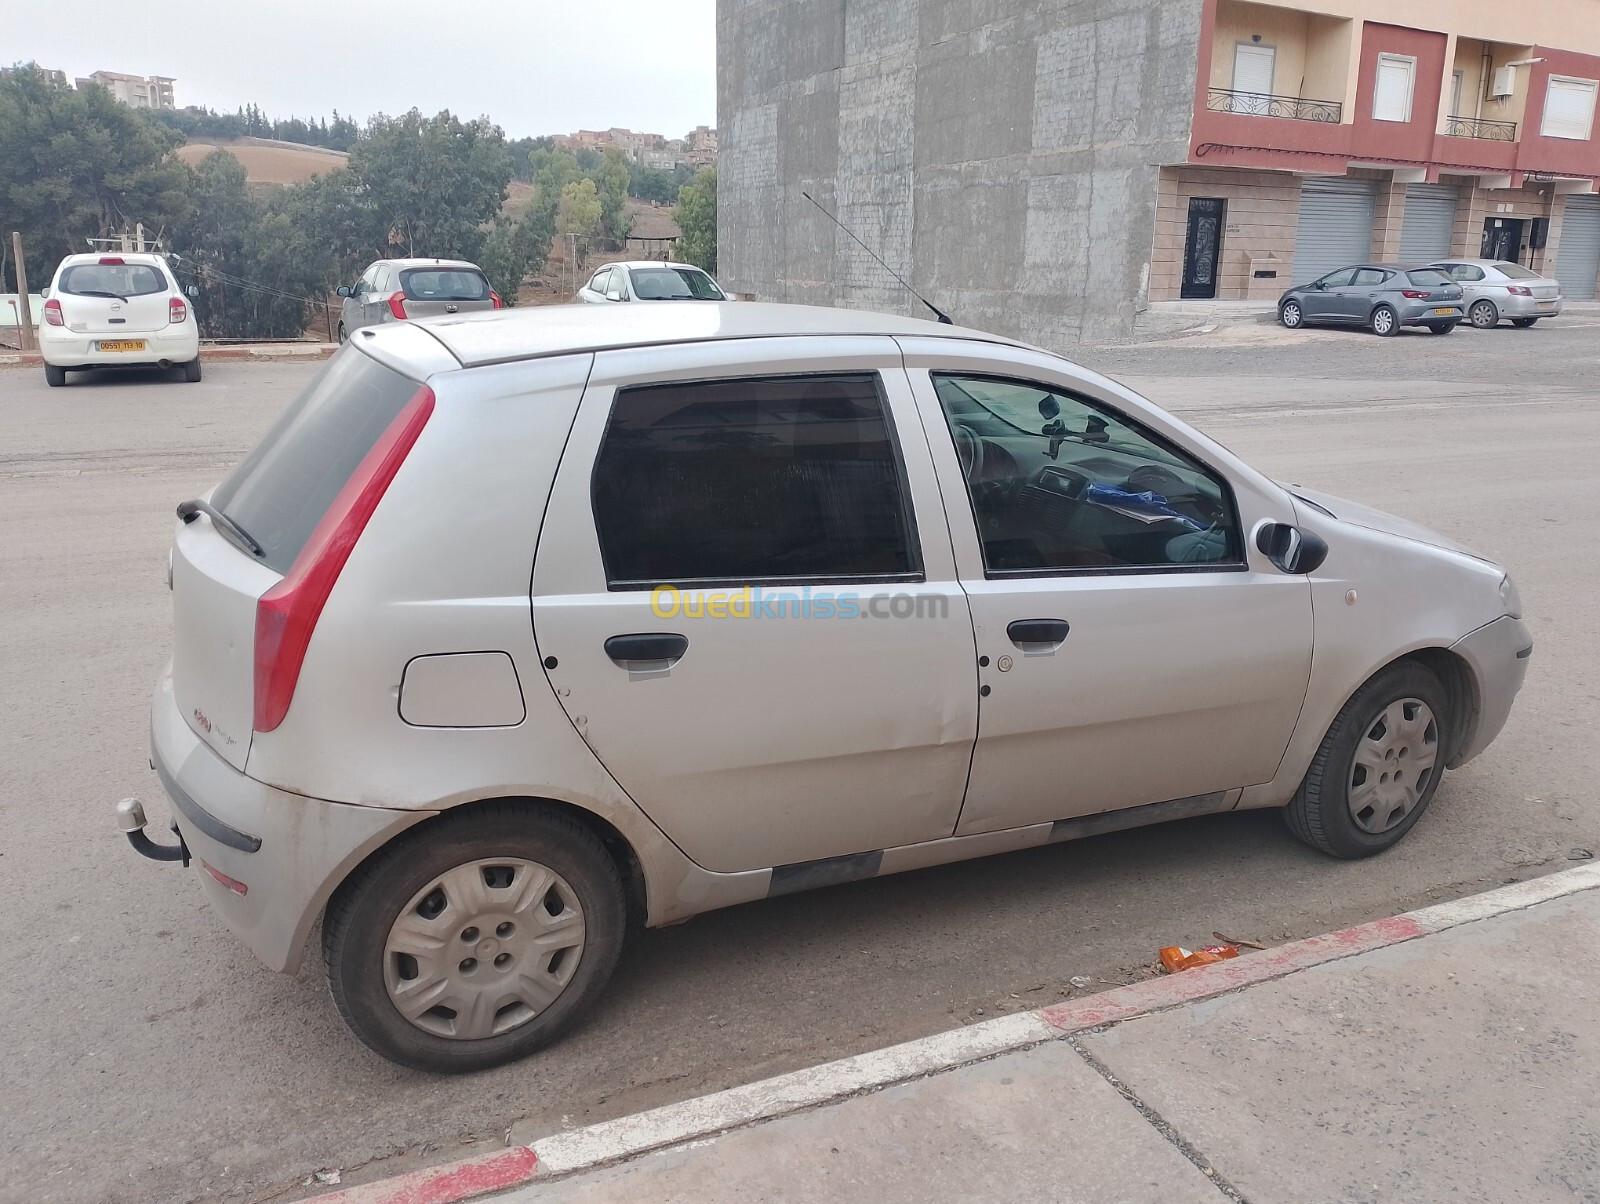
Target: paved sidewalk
column 1454, row 1065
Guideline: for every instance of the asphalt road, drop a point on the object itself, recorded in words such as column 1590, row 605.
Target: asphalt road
column 147, row 1056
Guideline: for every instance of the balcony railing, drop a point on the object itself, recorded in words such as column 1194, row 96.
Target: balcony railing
column 1477, row 127
column 1259, row 104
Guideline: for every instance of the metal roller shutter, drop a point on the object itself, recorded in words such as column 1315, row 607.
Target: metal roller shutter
column 1335, row 227
column 1429, row 223
column 1578, row 256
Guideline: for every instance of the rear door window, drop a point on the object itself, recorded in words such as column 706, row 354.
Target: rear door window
column 766, row 479
column 281, row 490
column 113, row 280
column 1367, row 277
column 444, row 284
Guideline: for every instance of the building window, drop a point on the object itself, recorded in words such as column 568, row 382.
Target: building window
column 1391, row 94
column 1568, row 108
column 1456, row 80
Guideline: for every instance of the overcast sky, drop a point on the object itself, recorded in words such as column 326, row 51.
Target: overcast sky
column 533, row 66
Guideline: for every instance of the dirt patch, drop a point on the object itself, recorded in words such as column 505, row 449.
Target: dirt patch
column 268, row 162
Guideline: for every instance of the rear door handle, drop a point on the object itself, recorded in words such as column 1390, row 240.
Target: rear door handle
column 1032, row 632
column 624, row 649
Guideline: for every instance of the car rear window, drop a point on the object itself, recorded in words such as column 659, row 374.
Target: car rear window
column 444, row 284
column 674, row 284
column 112, row 280
column 1429, row 279
column 281, row 490
column 1516, row 271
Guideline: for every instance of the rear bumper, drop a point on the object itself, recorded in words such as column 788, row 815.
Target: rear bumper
column 62, row 348
column 1528, row 307
column 1421, row 313
column 288, row 851
column 1497, row 655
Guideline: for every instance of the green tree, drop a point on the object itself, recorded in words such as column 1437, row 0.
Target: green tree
column 579, row 210
column 611, row 182
column 337, row 222
column 436, row 182
column 77, row 164
column 696, row 216
column 516, row 246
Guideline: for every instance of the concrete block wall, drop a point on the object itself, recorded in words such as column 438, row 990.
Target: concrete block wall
column 1262, row 214
column 1003, row 155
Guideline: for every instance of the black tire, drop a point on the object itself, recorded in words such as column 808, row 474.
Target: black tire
column 54, row 377
column 1523, row 323
column 343, row 334
column 1320, row 812
column 1441, row 327
column 191, row 371
column 1483, row 315
column 1384, row 321
column 1292, row 314
column 364, row 909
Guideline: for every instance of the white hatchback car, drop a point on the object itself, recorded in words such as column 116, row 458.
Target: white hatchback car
column 117, row 311
column 516, row 624
column 650, row 280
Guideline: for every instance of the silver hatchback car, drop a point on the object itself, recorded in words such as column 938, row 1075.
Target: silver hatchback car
column 1497, row 290
column 393, row 290
column 1380, row 296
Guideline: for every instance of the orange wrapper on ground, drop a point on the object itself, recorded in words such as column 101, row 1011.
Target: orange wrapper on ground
column 1176, row 957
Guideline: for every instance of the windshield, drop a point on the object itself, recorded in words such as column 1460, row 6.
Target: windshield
column 112, row 279
column 674, row 284
column 1516, row 271
column 444, row 284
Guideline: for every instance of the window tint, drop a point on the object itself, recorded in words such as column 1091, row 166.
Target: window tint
column 282, row 489
column 1370, row 276
column 1338, row 279
column 444, row 284
column 1058, row 482
column 113, row 279
column 1428, row 278
column 1516, row 271
column 674, row 284
column 751, row 480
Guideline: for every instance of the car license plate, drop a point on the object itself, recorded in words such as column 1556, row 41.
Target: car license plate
column 1448, row 309
column 1547, row 305
column 121, row 345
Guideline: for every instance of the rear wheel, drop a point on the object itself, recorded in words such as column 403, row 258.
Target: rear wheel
column 1291, row 315
column 473, row 941
column 1385, row 321
column 191, row 370
column 343, row 335
column 1523, row 322
column 1377, row 768
column 1441, row 327
column 1483, row 315
column 54, row 377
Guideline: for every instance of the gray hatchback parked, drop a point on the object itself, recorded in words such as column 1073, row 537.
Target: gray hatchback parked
column 1381, row 296
column 393, row 290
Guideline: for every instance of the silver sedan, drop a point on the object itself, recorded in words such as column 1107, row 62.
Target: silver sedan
column 1498, row 290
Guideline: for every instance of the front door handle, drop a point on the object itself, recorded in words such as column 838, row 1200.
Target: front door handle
column 660, row 646
column 1032, row 632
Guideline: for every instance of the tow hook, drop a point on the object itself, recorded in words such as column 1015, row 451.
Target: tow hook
column 130, row 818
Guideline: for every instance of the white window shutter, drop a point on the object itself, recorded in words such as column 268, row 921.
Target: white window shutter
column 1391, row 94
column 1568, row 108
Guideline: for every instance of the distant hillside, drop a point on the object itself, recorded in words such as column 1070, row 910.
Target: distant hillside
column 268, row 162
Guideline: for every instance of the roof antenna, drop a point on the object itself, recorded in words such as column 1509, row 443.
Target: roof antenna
column 937, row 312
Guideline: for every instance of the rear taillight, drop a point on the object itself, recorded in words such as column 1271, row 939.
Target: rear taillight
column 397, row 305
column 52, row 313
column 177, row 311
column 499, row 301
column 111, row 261
column 1517, row 290
column 1415, row 294
column 287, row 613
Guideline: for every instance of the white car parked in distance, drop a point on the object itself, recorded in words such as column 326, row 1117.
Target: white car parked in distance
column 117, row 310
column 563, row 615
column 650, row 280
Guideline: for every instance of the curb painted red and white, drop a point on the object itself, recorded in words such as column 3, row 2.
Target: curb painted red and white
column 615, row 1141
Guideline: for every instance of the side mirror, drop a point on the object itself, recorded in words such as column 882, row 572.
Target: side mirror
column 343, row 291
column 193, row 290
column 1290, row 549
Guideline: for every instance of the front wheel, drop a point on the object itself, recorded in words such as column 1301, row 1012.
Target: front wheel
column 54, row 377
column 343, row 335
column 1483, row 315
column 1385, row 321
column 1291, row 315
column 1524, row 323
column 1377, row 768
column 1441, row 327
column 473, row 940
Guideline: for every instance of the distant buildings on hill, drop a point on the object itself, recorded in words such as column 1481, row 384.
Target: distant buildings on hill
column 135, row 91
column 697, row 148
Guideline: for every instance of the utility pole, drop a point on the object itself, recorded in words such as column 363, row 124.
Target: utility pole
column 25, row 339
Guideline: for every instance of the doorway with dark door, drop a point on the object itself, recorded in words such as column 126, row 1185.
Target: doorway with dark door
column 1502, row 238
column 1202, row 248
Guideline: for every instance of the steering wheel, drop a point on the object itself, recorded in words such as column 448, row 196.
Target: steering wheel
column 969, row 449
column 1152, row 478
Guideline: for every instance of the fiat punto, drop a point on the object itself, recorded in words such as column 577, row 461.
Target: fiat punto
column 518, row 624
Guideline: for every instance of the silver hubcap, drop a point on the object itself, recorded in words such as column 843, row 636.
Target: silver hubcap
column 1482, row 315
column 1382, row 321
column 483, row 948
column 1291, row 315
column 1394, row 765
